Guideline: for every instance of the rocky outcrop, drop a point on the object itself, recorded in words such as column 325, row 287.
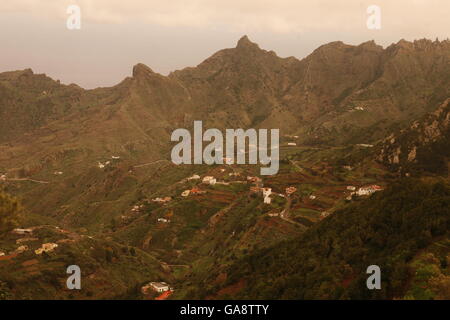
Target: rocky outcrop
column 404, row 146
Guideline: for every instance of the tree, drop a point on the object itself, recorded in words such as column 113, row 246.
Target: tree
column 9, row 212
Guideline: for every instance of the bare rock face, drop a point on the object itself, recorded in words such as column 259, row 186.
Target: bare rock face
column 405, row 146
column 141, row 70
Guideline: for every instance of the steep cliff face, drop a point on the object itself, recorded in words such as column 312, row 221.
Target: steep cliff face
column 425, row 139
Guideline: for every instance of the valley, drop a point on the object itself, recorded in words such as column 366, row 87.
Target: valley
column 95, row 185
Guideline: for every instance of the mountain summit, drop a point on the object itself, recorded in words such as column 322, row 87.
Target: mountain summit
column 245, row 43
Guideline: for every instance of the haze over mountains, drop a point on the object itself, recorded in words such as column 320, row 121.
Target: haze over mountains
column 81, row 159
column 249, row 87
column 339, row 94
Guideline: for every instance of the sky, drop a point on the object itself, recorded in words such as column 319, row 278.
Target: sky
column 173, row 34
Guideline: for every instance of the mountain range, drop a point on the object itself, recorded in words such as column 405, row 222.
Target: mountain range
column 90, row 162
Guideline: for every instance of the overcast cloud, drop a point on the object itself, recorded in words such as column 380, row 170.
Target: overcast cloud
column 172, row 34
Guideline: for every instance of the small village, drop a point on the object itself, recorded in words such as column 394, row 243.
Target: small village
column 24, row 237
column 295, row 202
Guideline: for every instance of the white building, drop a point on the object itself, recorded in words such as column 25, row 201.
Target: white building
column 312, row 197
column 266, row 194
column 163, row 220
column 267, row 200
column 22, row 231
column 46, row 247
column 194, row 177
column 367, row 191
column 185, row 193
column 2, row 253
column 137, row 208
column 325, row 214
column 21, row 249
column 162, row 200
column 2, row 177
column 293, row 144
column 351, row 188
column 209, row 180
column 159, row 286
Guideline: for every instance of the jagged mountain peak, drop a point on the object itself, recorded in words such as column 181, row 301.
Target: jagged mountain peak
column 371, row 45
column 245, row 43
column 141, row 69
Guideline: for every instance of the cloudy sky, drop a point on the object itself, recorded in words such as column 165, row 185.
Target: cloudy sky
column 172, row 34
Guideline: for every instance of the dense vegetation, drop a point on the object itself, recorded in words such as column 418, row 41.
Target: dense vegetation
column 330, row 259
column 9, row 209
column 434, row 157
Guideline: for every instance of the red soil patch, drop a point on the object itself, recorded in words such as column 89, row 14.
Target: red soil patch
column 164, row 295
column 30, row 262
column 232, row 289
column 7, row 258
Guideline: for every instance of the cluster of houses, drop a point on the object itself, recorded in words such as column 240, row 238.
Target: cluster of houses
column 368, row 190
column 258, row 188
column 363, row 191
column 209, row 180
column 162, row 200
column 45, row 247
column 193, row 191
column 137, row 208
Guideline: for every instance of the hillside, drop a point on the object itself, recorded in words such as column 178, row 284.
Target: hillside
column 421, row 147
column 91, row 170
column 392, row 229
